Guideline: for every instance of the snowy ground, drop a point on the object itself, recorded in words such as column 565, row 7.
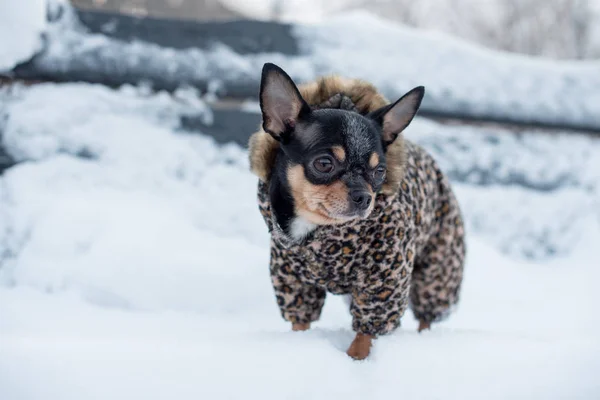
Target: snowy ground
column 134, row 265
column 21, row 26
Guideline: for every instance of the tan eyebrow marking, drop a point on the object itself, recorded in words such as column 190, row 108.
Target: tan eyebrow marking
column 339, row 153
column 374, row 160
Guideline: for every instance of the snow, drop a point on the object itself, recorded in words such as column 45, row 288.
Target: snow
column 522, row 27
column 134, row 264
column 459, row 77
column 561, row 168
column 21, row 26
column 303, row 11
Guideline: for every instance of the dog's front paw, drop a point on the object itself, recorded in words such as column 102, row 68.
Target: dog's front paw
column 301, row 327
column 423, row 326
column 360, row 347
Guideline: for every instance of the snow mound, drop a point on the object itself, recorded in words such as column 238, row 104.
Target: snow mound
column 21, row 26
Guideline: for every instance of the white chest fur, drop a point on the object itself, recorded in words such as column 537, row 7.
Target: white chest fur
column 301, row 227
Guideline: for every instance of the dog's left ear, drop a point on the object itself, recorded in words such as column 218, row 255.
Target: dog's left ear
column 280, row 102
column 394, row 118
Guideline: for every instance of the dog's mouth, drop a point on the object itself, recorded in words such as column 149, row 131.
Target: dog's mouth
column 345, row 216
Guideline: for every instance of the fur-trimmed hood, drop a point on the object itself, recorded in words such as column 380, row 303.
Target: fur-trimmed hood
column 333, row 92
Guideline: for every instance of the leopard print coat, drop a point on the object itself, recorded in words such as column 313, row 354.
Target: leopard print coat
column 409, row 250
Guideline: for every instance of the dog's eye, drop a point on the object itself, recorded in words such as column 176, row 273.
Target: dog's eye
column 323, row 164
column 379, row 172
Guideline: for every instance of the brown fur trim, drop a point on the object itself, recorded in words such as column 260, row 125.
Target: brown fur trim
column 396, row 160
column 263, row 148
column 365, row 96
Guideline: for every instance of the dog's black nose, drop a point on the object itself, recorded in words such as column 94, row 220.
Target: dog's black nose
column 361, row 199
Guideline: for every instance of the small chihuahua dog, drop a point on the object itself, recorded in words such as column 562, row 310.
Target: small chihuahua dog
column 352, row 207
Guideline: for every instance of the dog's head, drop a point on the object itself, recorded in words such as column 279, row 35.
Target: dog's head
column 334, row 160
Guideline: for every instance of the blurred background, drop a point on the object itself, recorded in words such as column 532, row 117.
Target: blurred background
column 559, row 29
column 128, row 214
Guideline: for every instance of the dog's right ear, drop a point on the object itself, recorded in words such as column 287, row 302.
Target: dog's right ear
column 394, row 118
column 280, row 102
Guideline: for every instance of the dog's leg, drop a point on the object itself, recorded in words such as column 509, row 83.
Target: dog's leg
column 378, row 304
column 423, row 326
column 299, row 303
column 437, row 276
column 300, row 327
column 360, row 347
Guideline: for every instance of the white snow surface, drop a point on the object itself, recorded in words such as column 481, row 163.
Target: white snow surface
column 22, row 23
column 134, row 264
